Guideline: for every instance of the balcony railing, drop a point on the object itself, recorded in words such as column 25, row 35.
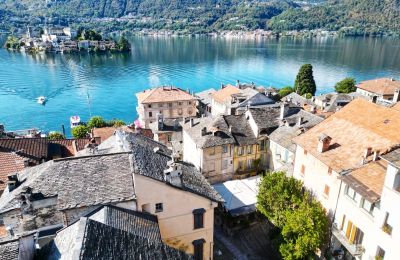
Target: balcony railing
column 354, row 250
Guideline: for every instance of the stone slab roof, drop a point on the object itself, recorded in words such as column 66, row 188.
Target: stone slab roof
column 296, row 99
column 393, row 157
column 241, row 130
column 368, row 180
column 77, row 181
column 354, row 128
column 383, row 86
column 152, row 164
column 169, row 125
column 163, row 94
column 9, row 250
column 257, row 100
column 212, row 125
column 205, row 96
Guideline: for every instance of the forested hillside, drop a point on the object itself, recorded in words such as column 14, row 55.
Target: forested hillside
column 354, row 17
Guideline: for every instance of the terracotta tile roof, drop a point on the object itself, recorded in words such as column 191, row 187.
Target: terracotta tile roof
column 163, row 94
column 368, row 180
column 105, row 132
column 225, row 94
column 383, row 86
column 357, row 126
column 396, row 106
column 9, row 163
column 71, row 146
column 32, row 148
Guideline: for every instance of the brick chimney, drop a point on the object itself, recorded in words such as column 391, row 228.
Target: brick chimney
column 324, row 142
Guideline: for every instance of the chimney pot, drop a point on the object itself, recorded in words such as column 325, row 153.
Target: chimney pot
column 191, row 122
column 284, row 110
column 299, row 121
column 367, row 152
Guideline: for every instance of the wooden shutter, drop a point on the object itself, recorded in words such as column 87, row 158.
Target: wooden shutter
column 348, row 230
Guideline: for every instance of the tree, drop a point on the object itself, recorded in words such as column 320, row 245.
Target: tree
column 96, row 121
column 56, row 136
column 346, row 85
column 276, row 195
column 116, row 123
column 306, row 229
column 300, row 219
column 305, row 81
column 81, row 131
column 283, row 92
column 123, row 44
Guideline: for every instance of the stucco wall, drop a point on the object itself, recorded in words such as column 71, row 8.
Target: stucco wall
column 176, row 220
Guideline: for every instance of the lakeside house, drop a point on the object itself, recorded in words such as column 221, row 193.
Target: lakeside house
column 120, row 172
column 168, row 101
column 343, row 145
column 383, row 89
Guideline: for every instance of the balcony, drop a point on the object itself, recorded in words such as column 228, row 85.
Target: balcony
column 354, row 250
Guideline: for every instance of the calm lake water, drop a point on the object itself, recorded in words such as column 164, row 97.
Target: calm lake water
column 196, row 63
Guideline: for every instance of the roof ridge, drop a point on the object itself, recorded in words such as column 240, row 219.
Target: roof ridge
column 88, row 156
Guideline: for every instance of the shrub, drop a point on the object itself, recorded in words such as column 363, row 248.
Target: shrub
column 81, row 131
column 96, row 121
column 56, row 136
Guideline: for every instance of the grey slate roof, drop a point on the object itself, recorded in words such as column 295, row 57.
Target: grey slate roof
column 333, row 101
column 77, row 181
column 9, row 250
column 205, row 96
column 257, row 100
column 296, row 99
column 217, row 125
column 169, row 125
column 152, row 164
column 393, row 157
column 138, row 223
column 241, row 129
column 89, row 239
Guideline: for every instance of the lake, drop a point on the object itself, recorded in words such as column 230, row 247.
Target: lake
column 111, row 80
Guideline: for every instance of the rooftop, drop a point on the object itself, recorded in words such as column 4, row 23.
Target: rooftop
column 225, row 94
column 10, row 163
column 105, row 132
column 241, row 129
column 257, row 100
column 135, row 233
column 383, row 86
column 368, row 180
column 393, row 157
column 205, row 96
column 9, row 250
column 163, row 94
column 357, row 126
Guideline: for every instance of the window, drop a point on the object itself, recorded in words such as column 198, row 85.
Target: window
column 240, row 150
column 198, row 218
column 380, row 253
column 241, row 165
column 262, row 145
column 249, row 163
column 350, row 193
column 326, row 191
column 190, row 102
column 180, row 111
column 169, row 138
column 198, row 248
column 305, row 152
column 224, row 164
column 249, row 149
column 179, row 103
column 150, row 114
column 354, row 234
column 224, row 148
column 190, row 111
column 285, row 159
column 368, row 206
column 169, row 104
column 149, row 106
column 160, row 112
column 212, row 150
column 302, row 170
column 387, row 228
column 159, row 207
column 329, row 170
column 1, row 220
column 160, row 105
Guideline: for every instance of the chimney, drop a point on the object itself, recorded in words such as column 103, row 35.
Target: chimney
column 230, row 129
column 191, row 122
column 375, row 157
column 368, row 152
column 173, row 174
column 396, row 98
column 204, row 131
column 25, row 198
column 374, row 99
column 286, row 123
column 299, row 121
column 222, row 86
column 313, row 109
column 363, row 160
column 284, row 110
column 323, row 143
column 156, row 149
column 10, row 231
column 12, row 182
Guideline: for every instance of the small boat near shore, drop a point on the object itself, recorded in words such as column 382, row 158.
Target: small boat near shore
column 74, row 121
column 41, row 100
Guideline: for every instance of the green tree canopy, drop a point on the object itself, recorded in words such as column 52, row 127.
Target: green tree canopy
column 56, row 136
column 81, row 131
column 123, row 44
column 91, row 35
column 96, row 121
column 304, row 82
column 346, row 85
column 283, row 92
column 116, row 123
column 277, row 193
column 302, row 221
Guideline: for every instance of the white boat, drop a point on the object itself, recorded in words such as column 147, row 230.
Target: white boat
column 41, row 100
column 74, row 121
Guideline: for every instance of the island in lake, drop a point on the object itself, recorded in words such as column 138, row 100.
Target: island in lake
column 64, row 39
